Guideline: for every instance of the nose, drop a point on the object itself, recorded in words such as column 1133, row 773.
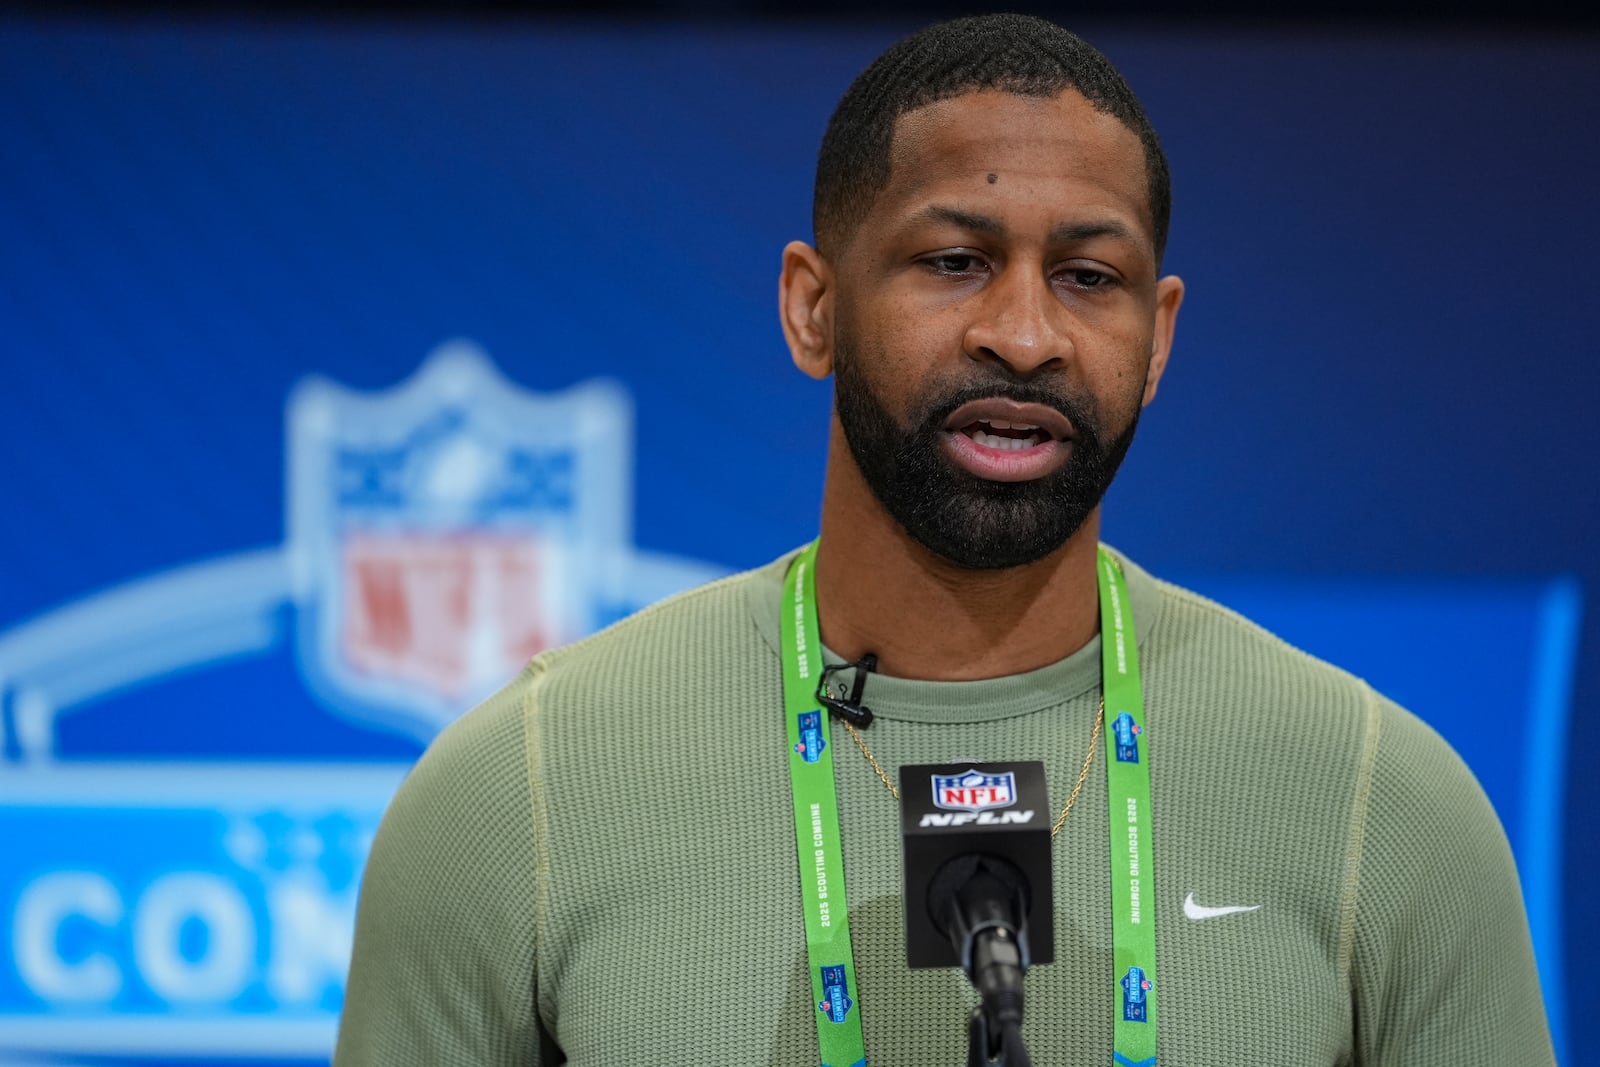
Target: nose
column 1018, row 322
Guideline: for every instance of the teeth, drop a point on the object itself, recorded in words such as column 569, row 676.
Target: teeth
column 999, row 425
column 1004, row 444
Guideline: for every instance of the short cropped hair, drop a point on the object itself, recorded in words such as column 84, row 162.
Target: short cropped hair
column 1017, row 54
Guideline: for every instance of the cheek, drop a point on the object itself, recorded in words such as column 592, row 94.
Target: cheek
column 900, row 343
column 1124, row 365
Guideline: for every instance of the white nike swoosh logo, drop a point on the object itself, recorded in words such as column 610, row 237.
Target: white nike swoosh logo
column 1194, row 911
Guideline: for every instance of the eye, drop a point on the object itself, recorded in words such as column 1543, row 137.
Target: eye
column 954, row 262
column 1089, row 278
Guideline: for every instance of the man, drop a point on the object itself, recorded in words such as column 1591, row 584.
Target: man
column 600, row 863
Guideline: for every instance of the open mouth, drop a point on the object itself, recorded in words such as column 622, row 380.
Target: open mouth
column 1006, row 436
column 1009, row 425
column 1004, row 440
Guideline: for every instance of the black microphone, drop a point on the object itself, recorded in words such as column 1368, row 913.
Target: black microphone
column 852, row 710
column 978, row 889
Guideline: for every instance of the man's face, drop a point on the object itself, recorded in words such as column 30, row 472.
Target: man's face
column 997, row 314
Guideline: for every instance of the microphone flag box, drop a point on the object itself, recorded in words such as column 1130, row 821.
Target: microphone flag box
column 950, row 810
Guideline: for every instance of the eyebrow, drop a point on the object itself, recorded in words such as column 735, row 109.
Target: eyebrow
column 1071, row 232
column 964, row 219
column 1065, row 233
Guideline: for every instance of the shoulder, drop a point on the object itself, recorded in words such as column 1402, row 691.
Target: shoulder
column 1431, row 926
column 1187, row 623
column 1426, row 813
column 1230, row 669
column 689, row 639
column 448, row 902
column 1220, row 649
column 1442, row 966
column 1309, row 736
column 723, row 608
column 1226, row 669
column 469, row 790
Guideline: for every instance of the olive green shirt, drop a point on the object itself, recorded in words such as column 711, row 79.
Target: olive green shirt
column 601, row 858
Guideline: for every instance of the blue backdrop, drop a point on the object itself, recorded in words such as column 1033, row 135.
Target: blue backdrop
column 341, row 365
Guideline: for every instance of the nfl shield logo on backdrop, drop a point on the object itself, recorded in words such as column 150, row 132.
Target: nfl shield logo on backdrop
column 443, row 531
column 974, row 791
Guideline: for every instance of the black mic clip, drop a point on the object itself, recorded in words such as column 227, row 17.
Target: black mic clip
column 851, row 711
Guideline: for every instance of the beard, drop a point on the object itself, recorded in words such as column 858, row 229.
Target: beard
column 970, row 521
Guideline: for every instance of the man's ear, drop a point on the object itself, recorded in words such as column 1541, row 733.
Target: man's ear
column 1169, row 295
column 805, row 307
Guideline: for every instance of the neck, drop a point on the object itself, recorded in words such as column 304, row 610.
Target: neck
column 880, row 591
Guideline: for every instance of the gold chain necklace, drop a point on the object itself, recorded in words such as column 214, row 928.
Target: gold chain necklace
column 1072, row 798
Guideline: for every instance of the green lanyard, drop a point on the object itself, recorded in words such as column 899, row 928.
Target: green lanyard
column 1133, row 918
column 834, row 993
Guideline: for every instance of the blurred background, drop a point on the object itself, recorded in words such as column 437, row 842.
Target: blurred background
column 350, row 355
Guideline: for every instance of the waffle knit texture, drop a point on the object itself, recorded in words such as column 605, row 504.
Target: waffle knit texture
column 601, row 860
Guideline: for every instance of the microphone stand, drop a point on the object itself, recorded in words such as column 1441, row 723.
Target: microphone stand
column 984, row 911
column 994, row 1032
column 984, row 1051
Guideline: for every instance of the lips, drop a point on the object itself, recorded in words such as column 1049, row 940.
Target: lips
column 1007, row 441
column 1012, row 417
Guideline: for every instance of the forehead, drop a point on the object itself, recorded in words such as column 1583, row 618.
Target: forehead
column 1054, row 153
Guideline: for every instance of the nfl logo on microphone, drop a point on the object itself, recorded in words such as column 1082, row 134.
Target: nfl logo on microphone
column 973, row 790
